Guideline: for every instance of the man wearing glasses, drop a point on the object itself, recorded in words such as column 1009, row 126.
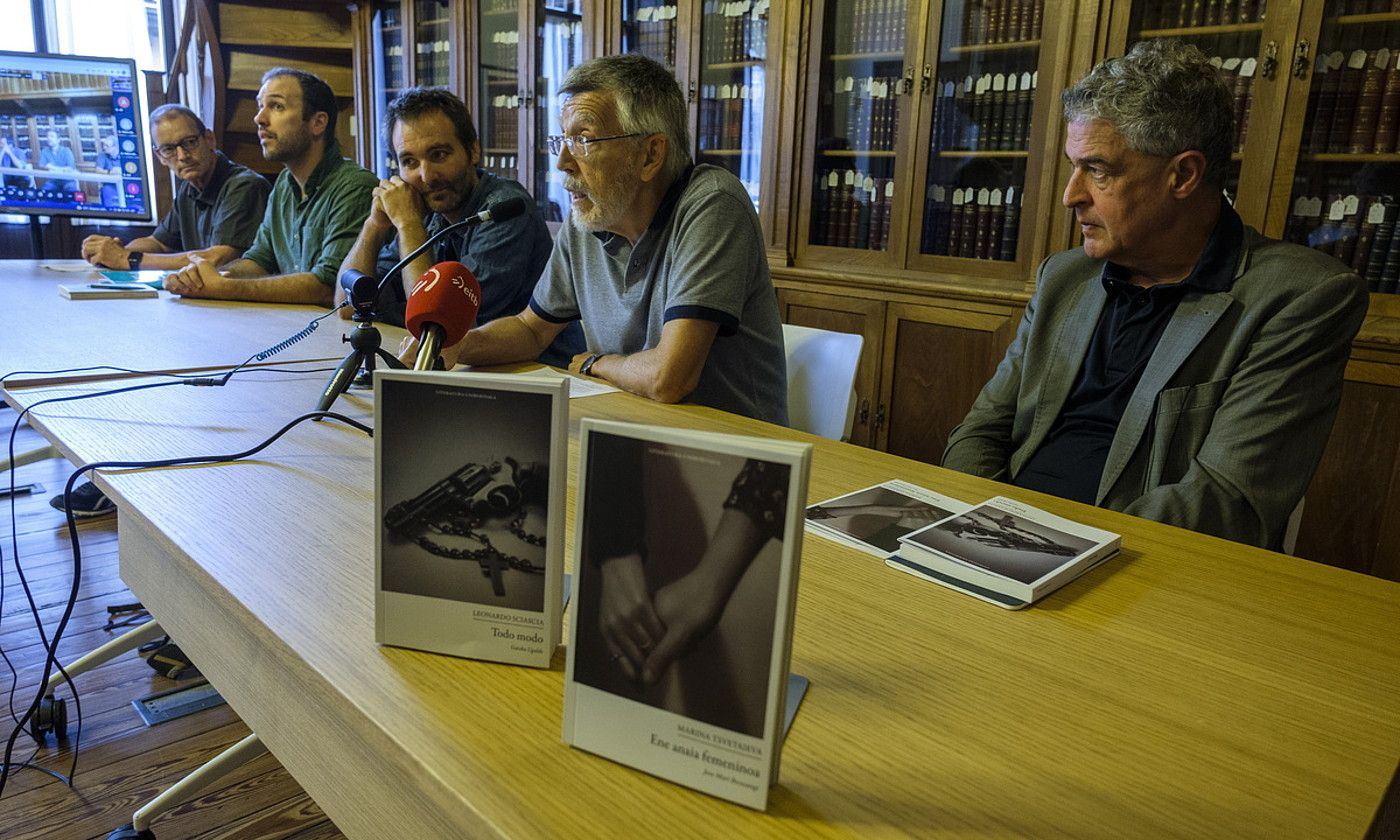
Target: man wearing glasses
column 662, row 261
column 218, row 203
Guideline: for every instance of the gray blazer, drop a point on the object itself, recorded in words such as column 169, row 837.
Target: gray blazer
column 1229, row 420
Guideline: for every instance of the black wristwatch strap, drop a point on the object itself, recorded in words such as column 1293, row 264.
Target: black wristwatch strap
column 587, row 367
column 133, row 262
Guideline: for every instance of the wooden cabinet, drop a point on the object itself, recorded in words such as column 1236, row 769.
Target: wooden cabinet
column 407, row 43
column 734, row 61
column 925, row 138
column 924, row 360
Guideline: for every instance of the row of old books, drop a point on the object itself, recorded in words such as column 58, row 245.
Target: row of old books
column 43, row 82
column 430, row 63
column 871, row 26
column 393, row 65
column 502, row 51
column 852, row 210
column 1178, row 14
column 871, row 110
column 736, row 30
column 978, row 223
column 655, row 28
column 1359, row 230
column 1354, row 103
column 505, row 127
column 1003, row 21
column 724, row 117
column 987, row 113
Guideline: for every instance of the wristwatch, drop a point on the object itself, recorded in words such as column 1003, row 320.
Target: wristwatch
column 587, row 367
column 133, row 260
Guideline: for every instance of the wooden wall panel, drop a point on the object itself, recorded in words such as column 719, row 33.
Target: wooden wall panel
column 1350, row 518
column 937, row 360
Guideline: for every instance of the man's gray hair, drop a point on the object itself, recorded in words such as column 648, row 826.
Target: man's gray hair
column 175, row 110
column 649, row 101
column 1165, row 98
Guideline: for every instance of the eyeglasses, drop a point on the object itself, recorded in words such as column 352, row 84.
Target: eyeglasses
column 578, row 144
column 189, row 144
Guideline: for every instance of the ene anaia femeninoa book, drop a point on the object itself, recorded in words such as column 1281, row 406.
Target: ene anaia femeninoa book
column 684, row 590
column 469, row 513
column 1004, row 551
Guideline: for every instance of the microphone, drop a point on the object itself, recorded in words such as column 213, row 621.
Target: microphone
column 499, row 212
column 441, row 309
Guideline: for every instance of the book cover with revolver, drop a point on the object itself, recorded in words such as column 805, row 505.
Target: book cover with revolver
column 469, row 501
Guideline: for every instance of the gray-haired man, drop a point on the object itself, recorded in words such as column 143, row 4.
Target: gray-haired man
column 1180, row 366
column 663, row 262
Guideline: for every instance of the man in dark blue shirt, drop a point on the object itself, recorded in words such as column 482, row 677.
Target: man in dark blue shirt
column 439, row 183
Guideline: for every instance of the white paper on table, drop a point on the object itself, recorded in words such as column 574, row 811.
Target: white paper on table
column 578, row 385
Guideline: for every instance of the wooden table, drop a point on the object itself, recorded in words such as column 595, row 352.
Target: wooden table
column 1189, row 688
column 45, row 331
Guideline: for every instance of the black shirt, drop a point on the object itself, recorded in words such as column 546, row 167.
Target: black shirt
column 226, row 212
column 1070, row 461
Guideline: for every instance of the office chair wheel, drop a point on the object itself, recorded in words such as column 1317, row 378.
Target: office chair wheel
column 51, row 716
column 129, row 832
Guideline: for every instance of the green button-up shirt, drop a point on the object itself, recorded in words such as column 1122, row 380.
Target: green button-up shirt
column 314, row 231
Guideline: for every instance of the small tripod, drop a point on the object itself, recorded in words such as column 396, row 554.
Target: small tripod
column 365, row 340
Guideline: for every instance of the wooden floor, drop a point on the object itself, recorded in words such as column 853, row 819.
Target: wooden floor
column 122, row 763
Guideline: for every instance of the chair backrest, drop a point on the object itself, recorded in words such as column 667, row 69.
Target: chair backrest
column 821, row 374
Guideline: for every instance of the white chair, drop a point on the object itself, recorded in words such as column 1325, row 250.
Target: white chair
column 821, row 374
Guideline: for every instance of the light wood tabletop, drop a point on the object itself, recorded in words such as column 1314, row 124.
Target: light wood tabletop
column 168, row 334
column 1190, row 687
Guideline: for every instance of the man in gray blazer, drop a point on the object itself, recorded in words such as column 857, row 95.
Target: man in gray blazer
column 1180, row 366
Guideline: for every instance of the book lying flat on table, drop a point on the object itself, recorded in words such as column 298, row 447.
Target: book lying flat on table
column 685, row 581
column 874, row 519
column 100, row 290
column 1004, row 551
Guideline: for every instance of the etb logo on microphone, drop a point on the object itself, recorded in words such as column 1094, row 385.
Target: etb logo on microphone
column 433, row 276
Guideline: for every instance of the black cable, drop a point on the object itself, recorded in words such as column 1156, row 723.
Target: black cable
column 50, row 660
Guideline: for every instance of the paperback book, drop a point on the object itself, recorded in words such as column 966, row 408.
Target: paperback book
column 1004, row 551
column 105, row 290
column 873, row 519
column 684, row 590
column 469, row 500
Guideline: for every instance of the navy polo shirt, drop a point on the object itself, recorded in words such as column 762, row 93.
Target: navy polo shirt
column 1069, row 463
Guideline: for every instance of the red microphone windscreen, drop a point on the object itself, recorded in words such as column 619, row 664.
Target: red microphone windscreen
column 447, row 295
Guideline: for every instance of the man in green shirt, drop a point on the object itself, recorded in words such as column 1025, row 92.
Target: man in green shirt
column 315, row 212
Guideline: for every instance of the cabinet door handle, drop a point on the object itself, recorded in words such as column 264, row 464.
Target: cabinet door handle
column 1300, row 60
column 927, row 80
column 908, row 81
column 863, row 415
column 691, row 95
column 1269, row 65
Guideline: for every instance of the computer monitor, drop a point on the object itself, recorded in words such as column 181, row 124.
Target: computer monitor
column 72, row 137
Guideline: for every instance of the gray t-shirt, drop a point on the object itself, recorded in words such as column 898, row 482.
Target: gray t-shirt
column 702, row 257
column 226, row 212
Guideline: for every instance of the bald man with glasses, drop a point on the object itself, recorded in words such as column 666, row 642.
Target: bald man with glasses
column 217, row 208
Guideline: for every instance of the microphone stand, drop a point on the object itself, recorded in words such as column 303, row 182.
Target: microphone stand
column 365, row 341
column 363, row 296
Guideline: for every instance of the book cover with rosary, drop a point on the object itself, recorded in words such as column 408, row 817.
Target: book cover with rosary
column 469, row 513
